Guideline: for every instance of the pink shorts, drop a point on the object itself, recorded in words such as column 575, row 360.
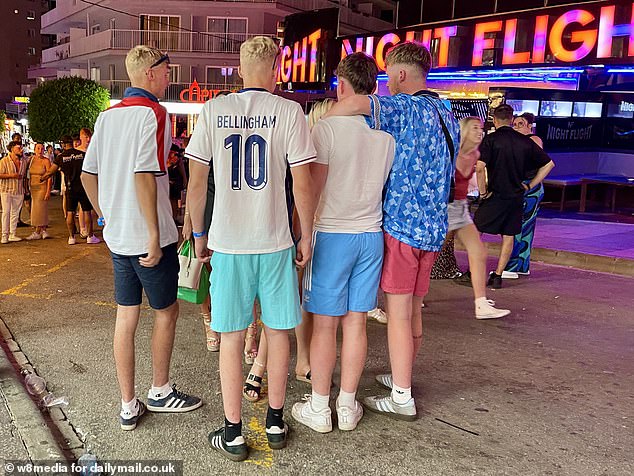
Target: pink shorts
column 406, row 270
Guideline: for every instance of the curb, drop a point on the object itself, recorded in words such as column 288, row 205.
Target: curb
column 588, row 262
column 45, row 435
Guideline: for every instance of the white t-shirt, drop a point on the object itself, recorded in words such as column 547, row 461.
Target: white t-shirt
column 359, row 161
column 132, row 137
column 251, row 138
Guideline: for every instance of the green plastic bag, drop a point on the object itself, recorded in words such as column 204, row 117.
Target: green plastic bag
column 195, row 296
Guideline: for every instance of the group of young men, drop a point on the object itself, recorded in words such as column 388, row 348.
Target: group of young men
column 354, row 238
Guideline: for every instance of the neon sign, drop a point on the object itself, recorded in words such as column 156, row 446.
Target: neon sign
column 197, row 94
column 299, row 58
column 553, row 35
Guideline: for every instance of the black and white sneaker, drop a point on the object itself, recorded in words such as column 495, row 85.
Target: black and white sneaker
column 174, row 402
column 129, row 422
column 235, row 450
column 277, row 437
column 388, row 407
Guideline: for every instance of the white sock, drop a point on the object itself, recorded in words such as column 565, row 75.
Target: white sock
column 481, row 301
column 129, row 408
column 346, row 399
column 401, row 395
column 319, row 402
column 156, row 393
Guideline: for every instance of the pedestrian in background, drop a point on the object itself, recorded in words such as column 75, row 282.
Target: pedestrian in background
column 40, row 192
column 12, row 172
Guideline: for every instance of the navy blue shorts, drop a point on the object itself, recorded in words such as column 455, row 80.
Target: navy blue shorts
column 160, row 282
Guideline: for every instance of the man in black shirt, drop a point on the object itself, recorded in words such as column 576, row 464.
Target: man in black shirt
column 70, row 162
column 510, row 163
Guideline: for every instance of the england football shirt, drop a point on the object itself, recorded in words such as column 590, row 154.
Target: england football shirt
column 415, row 204
column 250, row 138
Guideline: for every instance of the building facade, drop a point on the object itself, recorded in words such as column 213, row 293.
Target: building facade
column 23, row 45
column 202, row 37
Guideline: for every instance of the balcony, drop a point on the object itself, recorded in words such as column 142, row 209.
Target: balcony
column 173, row 92
column 170, row 41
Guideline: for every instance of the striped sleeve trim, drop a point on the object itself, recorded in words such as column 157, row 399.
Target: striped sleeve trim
column 197, row 158
column 89, row 173
column 375, row 110
column 302, row 161
column 157, row 173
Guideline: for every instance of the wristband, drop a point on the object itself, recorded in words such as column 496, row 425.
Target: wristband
column 199, row 235
column 101, row 221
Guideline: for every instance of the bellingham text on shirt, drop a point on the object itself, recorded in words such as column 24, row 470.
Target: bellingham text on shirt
column 246, row 122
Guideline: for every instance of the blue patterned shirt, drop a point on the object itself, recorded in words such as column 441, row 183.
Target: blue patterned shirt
column 415, row 204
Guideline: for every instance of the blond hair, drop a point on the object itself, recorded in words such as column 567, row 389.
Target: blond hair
column 259, row 49
column 412, row 54
column 464, row 124
column 319, row 109
column 140, row 58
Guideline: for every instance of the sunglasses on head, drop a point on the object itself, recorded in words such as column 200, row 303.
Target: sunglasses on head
column 161, row 60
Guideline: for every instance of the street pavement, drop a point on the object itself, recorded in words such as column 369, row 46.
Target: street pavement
column 548, row 390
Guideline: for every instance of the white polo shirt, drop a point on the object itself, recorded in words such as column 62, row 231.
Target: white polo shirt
column 250, row 138
column 359, row 161
column 130, row 138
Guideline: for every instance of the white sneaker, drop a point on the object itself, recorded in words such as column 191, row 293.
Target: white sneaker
column 14, row 238
column 319, row 421
column 486, row 310
column 45, row 235
column 527, row 273
column 93, row 240
column 347, row 417
column 83, row 234
column 71, row 240
column 34, row 236
column 388, row 407
column 5, row 239
column 510, row 275
column 378, row 315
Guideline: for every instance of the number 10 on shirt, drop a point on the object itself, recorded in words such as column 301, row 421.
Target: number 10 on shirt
column 255, row 147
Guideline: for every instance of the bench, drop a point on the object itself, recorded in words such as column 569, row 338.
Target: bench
column 612, row 181
column 563, row 181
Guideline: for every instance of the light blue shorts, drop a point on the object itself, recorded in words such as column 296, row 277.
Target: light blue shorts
column 237, row 280
column 343, row 274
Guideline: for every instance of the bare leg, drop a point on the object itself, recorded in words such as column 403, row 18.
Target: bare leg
column 70, row 223
column 323, row 352
column 87, row 222
column 399, row 336
column 124, row 331
column 231, row 374
column 82, row 220
column 303, row 333
column 277, row 365
column 259, row 365
column 353, row 350
column 163, row 343
column 505, row 253
column 417, row 326
column 477, row 255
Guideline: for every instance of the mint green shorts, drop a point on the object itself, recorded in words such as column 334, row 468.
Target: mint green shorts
column 237, row 280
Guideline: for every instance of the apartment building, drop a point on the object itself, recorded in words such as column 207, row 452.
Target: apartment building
column 202, row 37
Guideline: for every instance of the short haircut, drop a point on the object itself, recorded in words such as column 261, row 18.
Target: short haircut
column 12, row 144
column 360, row 70
column 86, row 130
column 503, row 113
column 66, row 140
column 319, row 109
column 259, row 49
column 410, row 53
column 140, row 58
column 529, row 116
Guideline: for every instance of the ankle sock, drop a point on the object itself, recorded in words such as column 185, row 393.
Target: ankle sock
column 156, row 393
column 481, row 301
column 275, row 417
column 346, row 399
column 401, row 395
column 319, row 402
column 232, row 430
column 129, row 409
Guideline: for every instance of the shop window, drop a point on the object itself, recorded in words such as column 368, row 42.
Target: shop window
column 556, row 109
column 587, row 109
column 520, row 106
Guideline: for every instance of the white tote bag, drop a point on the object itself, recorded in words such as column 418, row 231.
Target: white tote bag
column 190, row 266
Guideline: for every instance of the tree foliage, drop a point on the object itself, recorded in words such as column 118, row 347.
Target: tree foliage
column 63, row 106
column 3, row 117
